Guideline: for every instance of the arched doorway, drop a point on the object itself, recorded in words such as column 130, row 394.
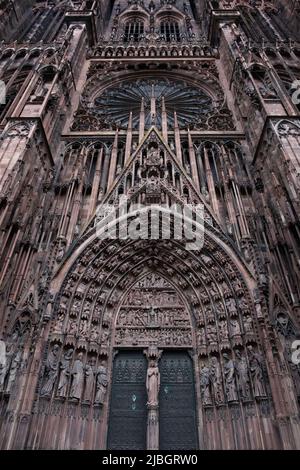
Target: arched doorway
column 153, row 316
column 124, row 296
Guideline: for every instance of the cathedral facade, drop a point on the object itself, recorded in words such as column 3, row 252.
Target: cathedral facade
column 112, row 336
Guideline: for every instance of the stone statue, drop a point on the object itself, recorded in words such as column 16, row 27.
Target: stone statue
column 216, row 380
column 58, row 327
column 223, row 330
column 212, row 334
column 153, row 157
column 101, row 385
column 231, row 306
column 14, row 366
column 83, row 328
column 75, row 308
column 229, row 373
column 235, row 328
column 105, row 338
column 248, row 324
column 242, row 376
column 205, row 385
column 3, row 364
column 61, row 252
column 64, row 373
column 73, row 327
column 152, row 383
column 201, row 337
column 77, row 378
column 51, row 371
column 89, row 379
column 256, row 371
column 94, row 334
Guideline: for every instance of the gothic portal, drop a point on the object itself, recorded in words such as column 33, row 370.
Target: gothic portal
column 142, row 341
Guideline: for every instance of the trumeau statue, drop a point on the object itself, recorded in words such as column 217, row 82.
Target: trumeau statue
column 153, row 383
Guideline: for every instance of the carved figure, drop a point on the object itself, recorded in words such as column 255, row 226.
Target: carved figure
column 101, row 385
column 77, row 378
column 153, row 383
column 51, row 371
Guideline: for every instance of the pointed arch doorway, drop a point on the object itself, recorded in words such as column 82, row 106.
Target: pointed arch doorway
column 153, row 316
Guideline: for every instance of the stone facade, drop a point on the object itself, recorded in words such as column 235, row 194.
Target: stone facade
column 152, row 102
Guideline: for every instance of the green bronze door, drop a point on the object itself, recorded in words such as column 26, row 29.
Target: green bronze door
column 177, row 405
column 128, row 409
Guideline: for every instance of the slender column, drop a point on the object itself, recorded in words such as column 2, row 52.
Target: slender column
column 164, row 121
column 128, row 139
column 177, row 139
column 153, row 106
column 243, row 223
column 75, row 209
column 202, row 173
column 113, row 161
column 211, row 184
column 194, row 168
column 96, row 184
column 142, row 121
column 105, row 170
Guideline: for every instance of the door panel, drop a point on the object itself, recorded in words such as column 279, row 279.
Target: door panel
column 128, row 412
column 177, row 405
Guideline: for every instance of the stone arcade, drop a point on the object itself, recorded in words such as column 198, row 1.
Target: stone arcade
column 123, row 343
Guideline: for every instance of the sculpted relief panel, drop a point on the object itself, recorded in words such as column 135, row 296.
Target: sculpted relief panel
column 153, row 313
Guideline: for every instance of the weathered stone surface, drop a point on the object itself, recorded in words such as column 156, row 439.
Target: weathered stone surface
column 146, row 336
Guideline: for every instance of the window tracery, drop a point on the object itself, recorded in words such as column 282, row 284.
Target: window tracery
column 134, row 30
column 169, row 30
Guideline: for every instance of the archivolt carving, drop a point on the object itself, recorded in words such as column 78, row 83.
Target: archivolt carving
column 102, row 305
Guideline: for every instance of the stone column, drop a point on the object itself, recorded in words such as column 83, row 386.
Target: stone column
column 153, row 427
